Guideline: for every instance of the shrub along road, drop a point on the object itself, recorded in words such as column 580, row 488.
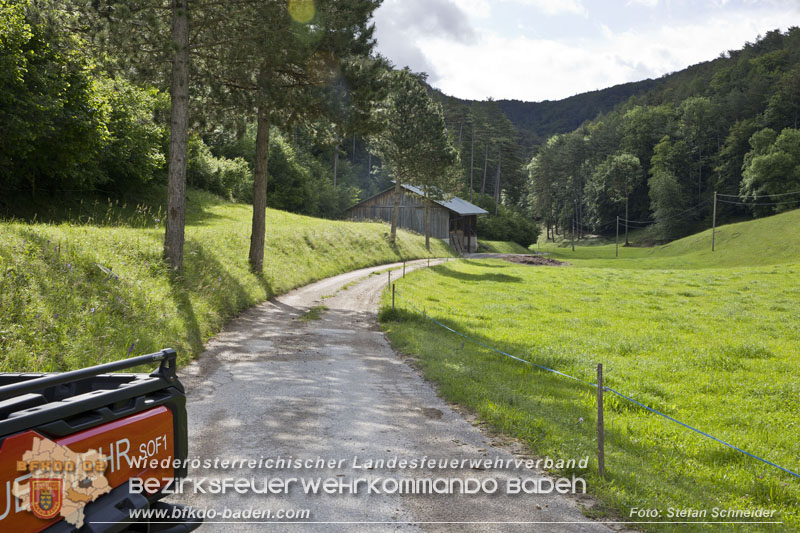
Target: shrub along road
column 290, row 378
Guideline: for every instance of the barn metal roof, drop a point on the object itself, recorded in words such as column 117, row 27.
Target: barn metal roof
column 462, row 207
column 455, row 204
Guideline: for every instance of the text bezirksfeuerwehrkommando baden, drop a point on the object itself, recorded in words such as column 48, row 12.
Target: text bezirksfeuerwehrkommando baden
column 367, row 485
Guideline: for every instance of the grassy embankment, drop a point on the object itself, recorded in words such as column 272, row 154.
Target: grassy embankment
column 712, row 339
column 60, row 310
column 501, row 247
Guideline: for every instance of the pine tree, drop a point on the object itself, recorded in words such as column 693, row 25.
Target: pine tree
column 282, row 64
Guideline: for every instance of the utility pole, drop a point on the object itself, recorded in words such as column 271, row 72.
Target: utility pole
column 617, row 236
column 573, row 233
column 714, row 222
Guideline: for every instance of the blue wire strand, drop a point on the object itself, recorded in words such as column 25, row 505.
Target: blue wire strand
column 687, row 426
column 609, row 389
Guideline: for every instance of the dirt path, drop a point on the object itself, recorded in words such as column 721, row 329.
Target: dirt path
column 273, row 385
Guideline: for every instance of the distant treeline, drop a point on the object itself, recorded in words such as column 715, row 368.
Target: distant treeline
column 537, row 121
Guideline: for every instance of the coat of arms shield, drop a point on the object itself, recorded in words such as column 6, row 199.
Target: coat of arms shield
column 46, row 497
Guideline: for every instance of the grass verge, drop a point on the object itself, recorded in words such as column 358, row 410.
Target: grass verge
column 76, row 294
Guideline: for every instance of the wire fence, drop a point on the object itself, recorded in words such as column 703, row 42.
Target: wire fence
column 793, row 193
column 680, row 216
column 590, row 384
column 789, row 202
column 690, row 214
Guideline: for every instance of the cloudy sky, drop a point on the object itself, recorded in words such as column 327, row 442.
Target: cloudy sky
column 550, row 49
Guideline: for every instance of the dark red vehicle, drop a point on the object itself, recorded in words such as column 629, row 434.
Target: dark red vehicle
column 135, row 422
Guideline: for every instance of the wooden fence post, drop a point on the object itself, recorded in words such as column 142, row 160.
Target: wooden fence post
column 601, row 454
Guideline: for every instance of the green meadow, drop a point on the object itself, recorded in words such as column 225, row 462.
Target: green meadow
column 92, row 287
column 711, row 339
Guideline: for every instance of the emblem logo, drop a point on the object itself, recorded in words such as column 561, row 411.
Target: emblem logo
column 46, row 497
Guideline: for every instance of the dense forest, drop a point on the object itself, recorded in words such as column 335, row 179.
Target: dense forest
column 85, row 106
column 88, row 94
column 727, row 126
column 537, row 121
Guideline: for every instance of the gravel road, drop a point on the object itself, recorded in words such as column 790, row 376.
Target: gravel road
column 273, row 385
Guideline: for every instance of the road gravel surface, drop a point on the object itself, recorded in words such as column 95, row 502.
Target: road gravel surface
column 277, row 385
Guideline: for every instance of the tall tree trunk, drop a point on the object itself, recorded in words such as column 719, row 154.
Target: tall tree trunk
column 178, row 137
column 369, row 165
column 497, row 184
column 427, row 224
column 259, row 194
column 626, row 221
column 471, row 160
column 395, row 210
column 699, row 174
column 485, row 163
column 335, row 164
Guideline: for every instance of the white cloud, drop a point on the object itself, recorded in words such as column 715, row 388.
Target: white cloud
column 482, row 9
column 479, row 9
column 533, row 69
column 401, row 25
column 556, row 7
column 645, row 3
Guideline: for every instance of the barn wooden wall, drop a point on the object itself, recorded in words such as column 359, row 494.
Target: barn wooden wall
column 412, row 213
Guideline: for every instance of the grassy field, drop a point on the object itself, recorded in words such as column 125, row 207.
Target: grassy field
column 710, row 339
column 92, row 287
column 766, row 241
column 501, row 247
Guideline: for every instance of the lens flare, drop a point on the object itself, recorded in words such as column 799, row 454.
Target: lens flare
column 302, row 10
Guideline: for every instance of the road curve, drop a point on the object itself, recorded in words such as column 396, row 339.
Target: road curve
column 274, row 385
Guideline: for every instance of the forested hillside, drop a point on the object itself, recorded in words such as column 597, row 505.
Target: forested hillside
column 727, row 126
column 537, row 121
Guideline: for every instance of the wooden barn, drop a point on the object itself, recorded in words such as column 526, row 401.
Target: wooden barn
column 454, row 221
